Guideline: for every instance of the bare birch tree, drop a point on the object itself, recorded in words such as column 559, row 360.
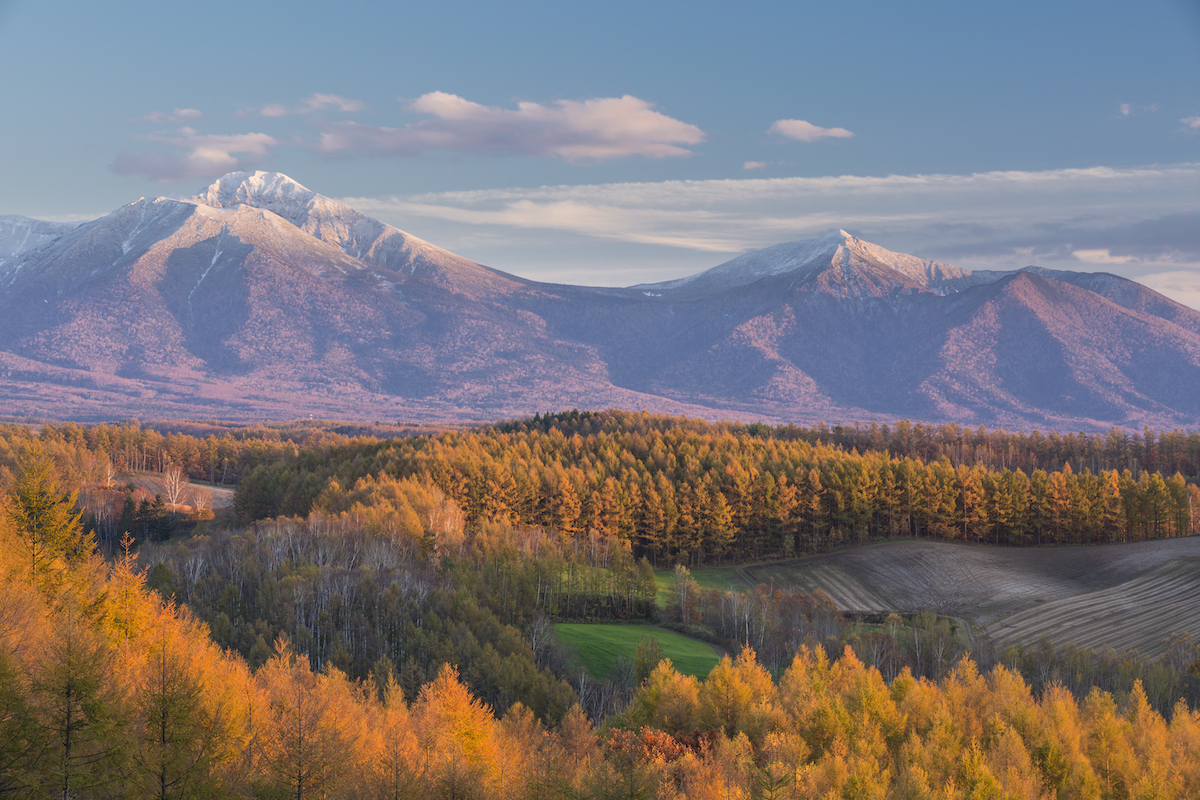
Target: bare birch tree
column 175, row 485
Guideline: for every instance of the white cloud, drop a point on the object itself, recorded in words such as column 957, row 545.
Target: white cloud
column 754, row 165
column 1128, row 109
column 195, row 155
column 1182, row 286
column 590, row 130
column 1191, row 122
column 803, row 131
column 314, row 102
column 1124, row 220
column 1100, row 256
column 176, row 117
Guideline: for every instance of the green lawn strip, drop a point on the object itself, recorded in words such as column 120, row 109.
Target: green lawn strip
column 597, row 646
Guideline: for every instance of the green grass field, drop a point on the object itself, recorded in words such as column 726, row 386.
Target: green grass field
column 597, row 646
column 708, row 577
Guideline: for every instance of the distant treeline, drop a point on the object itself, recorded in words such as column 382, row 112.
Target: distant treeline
column 680, row 489
column 997, row 449
column 92, row 455
column 683, row 489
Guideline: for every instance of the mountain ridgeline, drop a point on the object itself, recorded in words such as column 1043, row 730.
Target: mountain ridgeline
column 259, row 298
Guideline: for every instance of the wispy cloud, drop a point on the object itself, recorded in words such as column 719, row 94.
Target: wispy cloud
column 1191, row 122
column 1132, row 221
column 1167, row 239
column 1103, row 256
column 1129, row 109
column 803, row 131
column 176, row 117
column 314, row 102
column 194, row 155
column 754, row 211
column 589, row 130
column 750, row 165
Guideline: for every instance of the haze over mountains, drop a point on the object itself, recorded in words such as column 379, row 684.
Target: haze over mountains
column 259, row 299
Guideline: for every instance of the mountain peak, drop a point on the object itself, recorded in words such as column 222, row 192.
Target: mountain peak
column 354, row 233
column 260, row 189
column 803, row 256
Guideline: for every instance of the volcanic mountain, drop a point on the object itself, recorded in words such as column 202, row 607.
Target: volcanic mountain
column 259, row 298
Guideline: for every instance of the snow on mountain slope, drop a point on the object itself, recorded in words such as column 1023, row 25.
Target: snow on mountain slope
column 259, row 294
column 355, row 233
column 20, row 236
column 805, row 259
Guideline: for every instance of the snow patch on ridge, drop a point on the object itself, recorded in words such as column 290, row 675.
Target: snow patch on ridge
column 775, row 260
column 806, row 258
column 20, row 236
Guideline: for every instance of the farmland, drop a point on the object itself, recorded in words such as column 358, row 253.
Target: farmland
column 597, row 647
column 1122, row 595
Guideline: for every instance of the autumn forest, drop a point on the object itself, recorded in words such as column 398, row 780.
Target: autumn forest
column 372, row 615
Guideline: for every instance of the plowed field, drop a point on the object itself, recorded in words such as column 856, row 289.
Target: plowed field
column 1121, row 595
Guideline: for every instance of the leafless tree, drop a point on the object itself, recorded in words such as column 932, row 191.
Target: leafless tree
column 108, row 471
column 541, row 632
column 175, row 484
column 200, row 499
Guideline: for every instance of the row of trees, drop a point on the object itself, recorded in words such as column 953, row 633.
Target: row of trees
column 94, row 455
column 996, row 449
column 686, row 490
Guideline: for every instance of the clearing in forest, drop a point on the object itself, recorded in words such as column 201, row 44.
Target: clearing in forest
column 218, row 496
column 598, row 645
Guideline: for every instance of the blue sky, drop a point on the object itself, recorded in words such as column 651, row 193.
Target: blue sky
column 627, row 142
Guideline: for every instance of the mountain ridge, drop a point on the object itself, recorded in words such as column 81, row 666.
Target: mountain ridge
column 263, row 297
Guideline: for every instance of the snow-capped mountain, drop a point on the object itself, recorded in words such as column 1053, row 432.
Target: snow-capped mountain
column 261, row 298
column 848, row 263
column 356, row 234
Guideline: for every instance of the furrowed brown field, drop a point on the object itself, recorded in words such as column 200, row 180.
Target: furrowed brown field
column 1121, row 595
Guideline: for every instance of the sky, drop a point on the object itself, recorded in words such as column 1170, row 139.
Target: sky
column 631, row 142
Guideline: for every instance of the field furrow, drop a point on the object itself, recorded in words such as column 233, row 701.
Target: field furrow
column 1121, row 595
column 1137, row 614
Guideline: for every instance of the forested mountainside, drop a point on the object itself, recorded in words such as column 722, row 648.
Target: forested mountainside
column 261, row 299
column 108, row 690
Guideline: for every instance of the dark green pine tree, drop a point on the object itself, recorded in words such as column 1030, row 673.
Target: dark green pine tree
column 129, row 516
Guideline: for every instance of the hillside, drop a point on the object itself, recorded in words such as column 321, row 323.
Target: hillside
column 259, row 298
